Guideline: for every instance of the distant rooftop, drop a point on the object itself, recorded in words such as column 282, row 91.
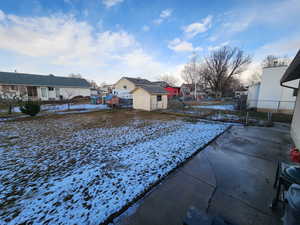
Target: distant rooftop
column 153, row 89
column 10, row 78
column 161, row 83
column 138, row 81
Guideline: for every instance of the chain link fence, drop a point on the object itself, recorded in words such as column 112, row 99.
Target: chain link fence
column 272, row 106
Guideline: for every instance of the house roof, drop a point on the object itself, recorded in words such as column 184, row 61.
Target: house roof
column 41, row 80
column 152, row 89
column 161, row 83
column 293, row 71
column 138, row 81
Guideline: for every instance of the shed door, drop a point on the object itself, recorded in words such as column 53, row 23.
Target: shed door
column 153, row 102
column 159, row 101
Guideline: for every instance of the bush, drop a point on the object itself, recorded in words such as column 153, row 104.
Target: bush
column 30, row 108
column 175, row 104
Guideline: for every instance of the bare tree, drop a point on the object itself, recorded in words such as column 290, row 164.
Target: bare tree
column 69, row 95
column 270, row 61
column 274, row 61
column 171, row 80
column 93, row 84
column 222, row 66
column 192, row 73
column 189, row 74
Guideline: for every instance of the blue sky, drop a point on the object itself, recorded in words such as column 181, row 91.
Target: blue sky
column 106, row 39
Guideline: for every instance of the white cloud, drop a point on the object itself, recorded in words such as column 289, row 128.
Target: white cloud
column 86, row 13
column 279, row 13
column 216, row 47
column 145, row 28
column 163, row 15
column 2, row 15
column 166, row 13
column 60, row 44
column 179, row 45
column 195, row 28
column 287, row 46
column 111, row 3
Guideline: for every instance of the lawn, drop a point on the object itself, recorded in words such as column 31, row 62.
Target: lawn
column 82, row 168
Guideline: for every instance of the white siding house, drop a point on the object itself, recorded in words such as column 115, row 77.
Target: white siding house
column 42, row 87
column 125, row 85
column 272, row 97
column 253, row 93
column 295, row 128
column 292, row 75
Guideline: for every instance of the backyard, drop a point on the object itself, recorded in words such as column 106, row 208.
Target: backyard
column 83, row 168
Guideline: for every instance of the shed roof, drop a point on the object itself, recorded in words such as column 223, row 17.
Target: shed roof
column 293, row 71
column 152, row 89
column 41, row 80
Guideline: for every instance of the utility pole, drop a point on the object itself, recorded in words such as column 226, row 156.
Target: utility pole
column 195, row 91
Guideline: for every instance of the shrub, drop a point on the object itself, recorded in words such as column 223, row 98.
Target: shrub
column 175, row 104
column 30, row 108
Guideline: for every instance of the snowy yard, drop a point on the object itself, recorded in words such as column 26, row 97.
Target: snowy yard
column 216, row 107
column 83, row 168
column 64, row 107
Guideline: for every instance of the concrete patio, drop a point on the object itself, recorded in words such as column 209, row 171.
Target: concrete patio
column 231, row 178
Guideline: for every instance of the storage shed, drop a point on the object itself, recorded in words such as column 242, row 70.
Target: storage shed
column 150, row 97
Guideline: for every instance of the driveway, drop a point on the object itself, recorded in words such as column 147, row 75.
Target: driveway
column 231, row 178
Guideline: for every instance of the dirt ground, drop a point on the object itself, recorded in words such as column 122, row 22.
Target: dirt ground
column 103, row 118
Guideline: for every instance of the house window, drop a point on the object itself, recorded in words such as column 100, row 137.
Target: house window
column 50, row 88
column 125, row 87
column 158, row 98
column 14, row 87
column 44, row 92
column 57, row 92
column 32, row 91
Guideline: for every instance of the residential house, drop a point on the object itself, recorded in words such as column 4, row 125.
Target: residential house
column 95, row 92
column 161, row 83
column 106, row 89
column 252, row 97
column 288, row 80
column 240, row 92
column 126, row 85
column 188, row 91
column 172, row 91
column 42, row 87
column 272, row 97
column 149, row 97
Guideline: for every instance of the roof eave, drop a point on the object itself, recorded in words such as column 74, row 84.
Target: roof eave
column 32, row 85
column 292, row 72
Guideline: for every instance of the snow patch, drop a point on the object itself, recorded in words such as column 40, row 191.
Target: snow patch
column 216, row 107
column 91, row 173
